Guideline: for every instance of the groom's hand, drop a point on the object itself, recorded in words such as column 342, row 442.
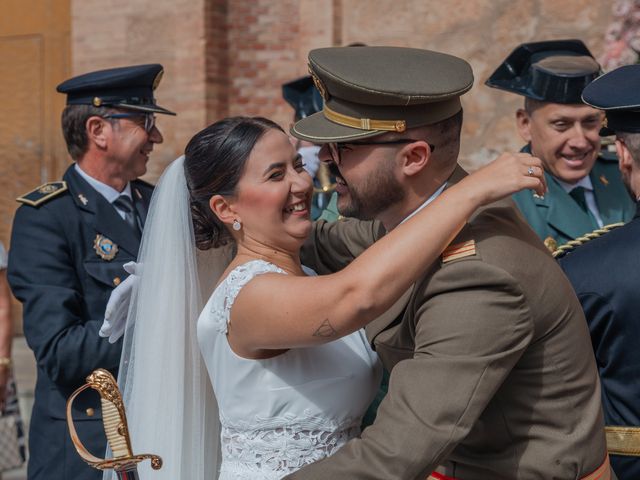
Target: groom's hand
column 115, row 315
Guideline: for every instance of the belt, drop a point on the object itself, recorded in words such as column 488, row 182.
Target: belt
column 603, row 472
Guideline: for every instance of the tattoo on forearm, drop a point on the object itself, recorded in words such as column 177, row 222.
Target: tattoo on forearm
column 325, row 330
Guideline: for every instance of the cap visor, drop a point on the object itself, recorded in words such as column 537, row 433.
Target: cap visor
column 144, row 108
column 317, row 129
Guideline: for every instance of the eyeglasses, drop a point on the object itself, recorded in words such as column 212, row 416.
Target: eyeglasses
column 335, row 149
column 149, row 119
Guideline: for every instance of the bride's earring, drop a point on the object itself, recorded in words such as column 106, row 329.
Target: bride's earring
column 236, row 225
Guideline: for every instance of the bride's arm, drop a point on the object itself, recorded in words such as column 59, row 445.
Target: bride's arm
column 276, row 311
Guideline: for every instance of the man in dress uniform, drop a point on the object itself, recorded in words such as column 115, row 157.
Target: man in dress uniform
column 585, row 190
column 69, row 242
column 492, row 373
column 606, row 270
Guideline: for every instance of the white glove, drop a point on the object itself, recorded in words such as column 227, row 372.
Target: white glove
column 115, row 315
column 310, row 159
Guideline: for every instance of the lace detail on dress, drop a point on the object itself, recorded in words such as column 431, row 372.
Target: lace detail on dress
column 274, row 447
column 226, row 293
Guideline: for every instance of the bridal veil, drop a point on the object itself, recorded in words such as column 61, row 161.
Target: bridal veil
column 170, row 404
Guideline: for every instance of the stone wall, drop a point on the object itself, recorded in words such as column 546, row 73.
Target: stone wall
column 226, row 57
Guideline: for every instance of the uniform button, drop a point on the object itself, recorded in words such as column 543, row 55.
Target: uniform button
column 116, row 281
column 90, row 412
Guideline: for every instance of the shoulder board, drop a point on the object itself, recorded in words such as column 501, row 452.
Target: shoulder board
column 43, row 193
column 562, row 250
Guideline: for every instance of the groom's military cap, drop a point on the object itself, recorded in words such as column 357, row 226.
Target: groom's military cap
column 553, row 71
column 129, row 88
column 618, row 95
column 368, row 91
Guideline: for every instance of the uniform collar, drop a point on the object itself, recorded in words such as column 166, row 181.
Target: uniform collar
column 427, row 202
column 107, row 191
column 584, row 182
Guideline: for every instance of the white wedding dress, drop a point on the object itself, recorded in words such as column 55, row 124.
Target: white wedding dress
column 282, row 413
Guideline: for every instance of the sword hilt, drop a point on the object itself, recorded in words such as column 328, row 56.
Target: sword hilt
column 116, row 428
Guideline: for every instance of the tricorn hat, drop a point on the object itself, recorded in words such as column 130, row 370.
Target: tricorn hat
column 303, row 96
column 130, row 88
column 553, row 71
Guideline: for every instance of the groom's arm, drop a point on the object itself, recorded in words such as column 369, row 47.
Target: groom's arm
column 471, row 329
column 333, row 245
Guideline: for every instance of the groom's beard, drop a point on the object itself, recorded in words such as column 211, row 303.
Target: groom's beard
column 373, row 195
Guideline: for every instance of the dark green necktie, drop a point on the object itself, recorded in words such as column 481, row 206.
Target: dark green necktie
column 578, row 194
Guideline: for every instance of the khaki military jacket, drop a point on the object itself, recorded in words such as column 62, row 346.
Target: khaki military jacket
column 492, row 372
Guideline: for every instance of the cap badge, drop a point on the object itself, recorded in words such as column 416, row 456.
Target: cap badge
column 319, row 85
column 97, row 101
column 83, row 199
column 604, row 180
column 156, row 81
column 48, row 188
column 551, row 244
column 105, row 248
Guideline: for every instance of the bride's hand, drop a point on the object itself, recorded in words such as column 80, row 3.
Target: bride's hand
column 508, row 174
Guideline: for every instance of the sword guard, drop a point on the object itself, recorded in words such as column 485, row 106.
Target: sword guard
column 115, row 426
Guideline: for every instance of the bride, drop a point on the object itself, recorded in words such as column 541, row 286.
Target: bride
column 281, row 347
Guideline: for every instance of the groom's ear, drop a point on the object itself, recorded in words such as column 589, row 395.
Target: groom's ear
column 415, row 157
column 222, row 209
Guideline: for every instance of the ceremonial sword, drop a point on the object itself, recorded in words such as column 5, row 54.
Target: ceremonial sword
column 124, row 462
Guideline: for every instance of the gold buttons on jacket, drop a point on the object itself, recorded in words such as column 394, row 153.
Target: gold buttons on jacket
column 90, row 412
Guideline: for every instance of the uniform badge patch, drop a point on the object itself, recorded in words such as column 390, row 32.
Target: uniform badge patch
column 105, row 248
column 604, row 180
column 459, row 250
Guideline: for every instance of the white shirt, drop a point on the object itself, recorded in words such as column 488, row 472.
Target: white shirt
column 427, row 202
column 107, row 191
column 589, row 197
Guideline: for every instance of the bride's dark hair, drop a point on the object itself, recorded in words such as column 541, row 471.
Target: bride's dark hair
column 214, row 161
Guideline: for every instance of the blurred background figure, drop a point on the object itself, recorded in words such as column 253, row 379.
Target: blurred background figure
column 606, row 271
column 14, row 441
column 305, row 99
column 622, row 38
column 585, row 189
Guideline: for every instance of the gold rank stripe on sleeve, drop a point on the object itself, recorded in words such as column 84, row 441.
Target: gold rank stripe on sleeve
column 623, row 440
column 43, row 193
column 459, row 250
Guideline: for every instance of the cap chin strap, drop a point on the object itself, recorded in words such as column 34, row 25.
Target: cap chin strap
column 364, row 123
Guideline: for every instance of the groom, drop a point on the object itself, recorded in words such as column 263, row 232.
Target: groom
column 492, row 374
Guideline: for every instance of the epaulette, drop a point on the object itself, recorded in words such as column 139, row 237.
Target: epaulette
column 562, row 250
column 43, row 193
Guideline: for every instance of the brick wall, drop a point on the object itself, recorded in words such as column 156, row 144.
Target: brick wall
column 108, row 33
column 226, row 57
